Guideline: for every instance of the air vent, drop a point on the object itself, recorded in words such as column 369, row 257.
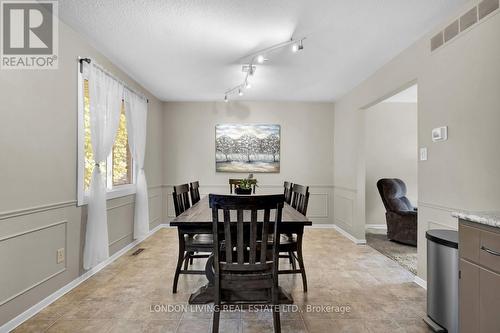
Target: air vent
column 486, row 7
column 137, row 252
column 468, row 19
column 437, row 41
column 451, row 31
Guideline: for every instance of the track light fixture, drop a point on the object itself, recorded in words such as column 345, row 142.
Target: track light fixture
column 226, row 99
column 260, row 57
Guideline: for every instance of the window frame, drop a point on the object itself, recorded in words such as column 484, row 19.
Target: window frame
column 112, row 192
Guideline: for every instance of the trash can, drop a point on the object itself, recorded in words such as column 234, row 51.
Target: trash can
column 442, row 280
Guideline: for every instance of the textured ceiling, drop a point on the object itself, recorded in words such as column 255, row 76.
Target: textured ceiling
column 192, row 49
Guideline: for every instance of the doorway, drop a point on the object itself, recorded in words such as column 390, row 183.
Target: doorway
column 391, row 145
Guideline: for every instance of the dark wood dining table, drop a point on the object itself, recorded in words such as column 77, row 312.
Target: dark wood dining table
column 198, row 220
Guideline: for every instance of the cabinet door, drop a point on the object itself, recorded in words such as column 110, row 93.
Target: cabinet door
column 489, row 313
column 469, row 297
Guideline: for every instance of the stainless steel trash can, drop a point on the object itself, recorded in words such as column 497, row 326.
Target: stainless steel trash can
column 442, row 280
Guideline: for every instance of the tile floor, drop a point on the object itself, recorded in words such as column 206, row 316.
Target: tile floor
column 379, row 294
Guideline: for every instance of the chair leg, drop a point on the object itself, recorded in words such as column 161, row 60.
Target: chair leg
column 301, row 262
column 217, row 303
column 216, row 319
column 292, row 260
column 187, row 259
column 180, row 259
column 276, row 319
column 191, row 260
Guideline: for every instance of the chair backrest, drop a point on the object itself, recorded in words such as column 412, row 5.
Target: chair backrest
column 300, row 198
column 288, row 192
column 233, row 182
column 240, row 229
column 194, row 190
column 181, row 198
column 393, row 194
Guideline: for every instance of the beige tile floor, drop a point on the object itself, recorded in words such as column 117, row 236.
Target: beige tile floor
column 379, row 293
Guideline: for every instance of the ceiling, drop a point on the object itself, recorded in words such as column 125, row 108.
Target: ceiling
column 192, row 50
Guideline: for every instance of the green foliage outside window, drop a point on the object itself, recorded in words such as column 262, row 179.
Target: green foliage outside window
column 122, row 159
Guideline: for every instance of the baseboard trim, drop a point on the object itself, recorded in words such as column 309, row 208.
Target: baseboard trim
column 21, row 318
column 349, row 236
column 421, row 282
column 376, row 226
column 322, row 226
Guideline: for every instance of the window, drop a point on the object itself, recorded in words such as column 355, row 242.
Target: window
column 118, row 168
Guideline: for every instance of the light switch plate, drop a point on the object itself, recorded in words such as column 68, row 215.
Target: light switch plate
column 423, row 154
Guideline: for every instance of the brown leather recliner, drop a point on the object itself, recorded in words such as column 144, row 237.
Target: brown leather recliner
column 401, row 216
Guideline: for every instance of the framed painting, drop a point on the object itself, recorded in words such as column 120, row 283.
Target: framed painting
column 247, row 148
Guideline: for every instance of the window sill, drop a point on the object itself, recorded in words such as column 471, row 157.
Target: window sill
column 118, row 192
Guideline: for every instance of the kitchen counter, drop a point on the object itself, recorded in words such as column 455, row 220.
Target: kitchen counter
column 487, row 218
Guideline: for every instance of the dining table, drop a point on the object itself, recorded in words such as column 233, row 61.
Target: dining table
column 198, row 220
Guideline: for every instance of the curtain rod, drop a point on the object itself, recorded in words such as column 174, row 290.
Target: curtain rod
column 125, row 85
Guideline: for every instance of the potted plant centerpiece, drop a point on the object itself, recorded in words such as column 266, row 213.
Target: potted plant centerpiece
column 245, row 186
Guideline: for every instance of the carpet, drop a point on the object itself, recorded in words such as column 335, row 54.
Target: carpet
column 404, row 255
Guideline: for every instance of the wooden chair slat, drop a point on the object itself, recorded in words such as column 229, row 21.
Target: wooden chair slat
column 240, row 240
column 265, row 228
column 227, row 236
column 253, row 237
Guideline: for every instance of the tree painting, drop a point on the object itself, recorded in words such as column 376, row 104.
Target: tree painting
column 247, row 148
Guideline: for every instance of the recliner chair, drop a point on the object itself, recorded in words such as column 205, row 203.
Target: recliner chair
column 400, row 214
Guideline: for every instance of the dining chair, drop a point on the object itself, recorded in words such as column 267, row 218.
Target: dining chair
column 190, row 244
column 244, row 260
column 288, row 192
column 194, row 190
column 300, row 198
column 291, row 244
column 233, row 182
column 181, row 198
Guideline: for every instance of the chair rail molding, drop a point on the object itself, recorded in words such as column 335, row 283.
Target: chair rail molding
column 36, row 209
column 320, row 208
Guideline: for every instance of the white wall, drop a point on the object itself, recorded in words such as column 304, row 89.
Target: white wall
column 38, row 177
column 391, row 152
column 306, row 141
column 458, row 86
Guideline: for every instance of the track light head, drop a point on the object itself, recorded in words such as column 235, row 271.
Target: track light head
column 260, row 59
column 226, row 99
column 248, row 85
column 297, row 46
column 240, row 92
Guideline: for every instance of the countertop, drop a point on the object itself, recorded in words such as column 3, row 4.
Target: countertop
column 487, row 218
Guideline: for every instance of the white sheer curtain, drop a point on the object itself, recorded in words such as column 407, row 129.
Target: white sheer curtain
column 136, row 109
column 105, row 97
